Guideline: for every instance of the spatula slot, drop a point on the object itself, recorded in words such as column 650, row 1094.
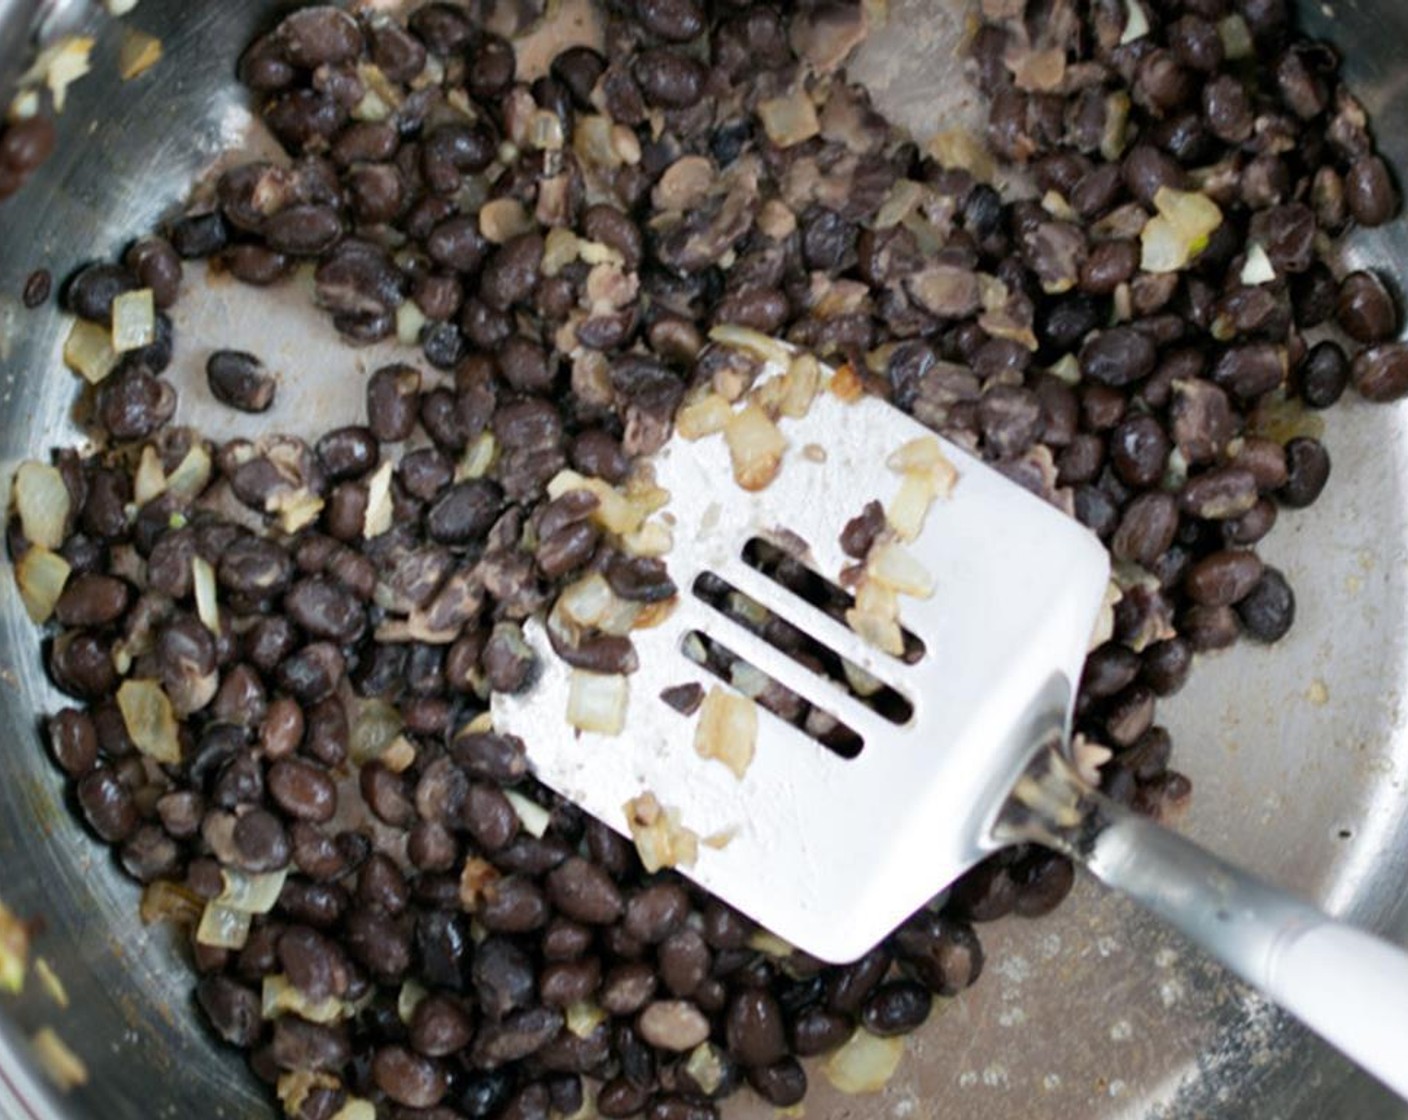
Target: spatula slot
column 803, row 648
column 793, row 575
column 811, row 719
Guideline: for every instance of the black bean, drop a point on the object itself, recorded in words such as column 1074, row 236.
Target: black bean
column 1139, row 450
column 232, row 1010
column 239, row 379
column 518, row 1035
column 73, row 741
column 1228, row 109
column 452, row 150
column 755, row 1029
column 311, row 675
column 584, row 892
column 670, row 79
column 91, row 293
column 499, row 758
column 1366, row 311
column 1219, row 494
column 896, row 1008
column 1308, row 466
column 303, row 790
column 199, row 235
column 1380, row 373
column 465, row 512
column 1118, row 357
column 1325, row 374
column 107, row 806
column 620, row 1098
column 1249, row 371
column 945, row 955
column 512, row 272
column 1369, row 190
column 261, row 843
column 92, row 600
column 408, row 1078
column 684, row 961
column 782, row 1085
column 132, row 404
column 492, row 67
column 1147, row 528
column 675, row 20
column 1269, row 611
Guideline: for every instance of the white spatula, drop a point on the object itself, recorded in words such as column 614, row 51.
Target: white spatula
column 832, row 852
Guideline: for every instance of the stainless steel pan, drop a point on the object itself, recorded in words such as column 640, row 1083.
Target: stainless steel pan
column 1299, row 755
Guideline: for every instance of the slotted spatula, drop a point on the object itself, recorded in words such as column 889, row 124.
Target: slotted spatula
column 831, row 853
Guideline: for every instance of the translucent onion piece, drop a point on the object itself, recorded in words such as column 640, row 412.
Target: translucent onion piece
column 596, row 702
column 1185, row 222
column 60, row 1064
column 377, row 519
column 706, row 416
column 583, row 1018
column 14, row 951
column 727, row 730
column 909, row 510
column 503, row 219
column 478, row 457
column 375, row 728
column 164, row 901
column 756, row 446
column 293, row 1088
column 532, row 816
column 865, row 1064
column 223, row 928
column 753, row 342
column 897, row 569
column 41, row 576
column 410, row 321
column 800, row 386
column 789, row 120
column 1136, row 24
column 203, row 579
column 661, row 839
column 42, row 502
column 88, row 351
column 585, row 603
column 957, row 149
column 408, row 999
column 150, row 720
column 50, row 982
column 60, row 65
column 770, row 945
column 614, row 512
column 149, row 483
column 280, row 998
column 1258, row 269
column 133, row 320
column 251, row 894
column 653, row 539
column 355, row 1109
column 1237, row 41
column 705, row 1067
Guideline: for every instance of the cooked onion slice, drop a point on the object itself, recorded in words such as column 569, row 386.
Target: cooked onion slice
column 756, row 446
column 42, row 502
column 596, row 702
column 41, row 576
column 88, row 351
column 661, row 840
column 150, row 720
column 14, row 951
column 223, row 928
column 133, row 320
column 727, row 729
column 865, row 1064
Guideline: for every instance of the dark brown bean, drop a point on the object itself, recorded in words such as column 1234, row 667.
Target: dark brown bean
column 1380, row 373
column 1369, row 190
column 564, row 983
column 239, row 379
column 107, row 806
column 408, row 1078
column 440, row 1026
column 1269, row 611
column 755, row 1029
column 1147, row 528
column 896, row 1008
column 512, row 273
column 303, row 790
column 655, row 912
column 684, row 961
column 513, row 905
column 627, row 988
column 584, row 892
column 315, row 36
column 670, row 79
column 155, row 264
column 1308, row 467
column 1223, row 579
column 782, row 1085
column 231, row 1009
column 73, row 741
column 1219, row 494
column 1366, row 310
column 945, row 955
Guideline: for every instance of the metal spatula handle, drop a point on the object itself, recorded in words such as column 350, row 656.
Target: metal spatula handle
column 1349, row 987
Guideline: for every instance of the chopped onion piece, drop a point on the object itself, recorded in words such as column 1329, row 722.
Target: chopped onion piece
column 1181, row 230
column 375, row 728
column 60, row 65
column 957, row 149
column 223, row 928
column 770, row 945
column 560, row 249
column 756, row 447
column 592, row 141
column 861, row 682
column 706, row 416
column 120, row 7
column 923, row 454
column 377, row 519
column 477, row 877
column 478, row 457
column 280, row 998
column 408, row 999
column 149, row 483
column 1136, row 24
column 877, row 630
column 907, row 513
column 661, row 840
column 800, row 386
column 138, row 53
column 150, row 720
column 203, row 580
column 42, row 502
column 596, row 702
column 1236, row 35
column 192, row 473
column 760, row 345
column 532, row 816
column 1258, row 269
column 41, row 576
column 355, row 1109
column 251, row 894
column 751, row 681
column 164, row 901
column 865, row 1064
column 14, row 951
column 583, row 1018
column 614, row 512
column 293, row 1088
column 652, row 539
column 896, row 568
column 400, row 755
column 296, row 509
column 60, row 1064
column 789, row 120
column 587, row 601
column 410, row 321
column 705, row 1067
column 727, row 730
column 50, row 982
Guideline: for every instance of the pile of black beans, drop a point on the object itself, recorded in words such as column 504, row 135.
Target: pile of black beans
column 1173, row 414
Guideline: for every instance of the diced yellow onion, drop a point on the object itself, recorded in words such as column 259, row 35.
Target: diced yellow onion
column 770, row 945
column 375, row 728
column 909, row 509
column 877, row 630
column 251, row 894
column 653, row 539
column 560, row 249
column 411, row 995
column 50, row 982
column 223, row 928
column 478, row 457
column 592, row 141
column 503, row 219
column 898, row 569
column 14, row 951
column 296, row 509
column 727, row 730
column 60, row 1064
column 756, row 446
column 706, row 416
column 410, row 321
column 149, row 481
column 280, row 998
column 762, row 346
column 42, row 502
column 596, row 702
column 789, row 120
column 532, row 816
column 41, row 576
column 614, row 512
column 1181, row 230
column 1236, row 35
column 165, row 901
column 61, row 64
column 203, row 580
column 133, row 320
column 800, row 386
column 1258, row 268
column 400, row 755
column 587, row 601
column 957, row 149
column 151, row 722
column 355, row 1109
column 88, row 351
column 661, row 839
column 864, row 1064
column 1136, row 24
column 378, row 517
column 192, row 473
column 583, row 1018
column 705, row 1067
column 476, row 878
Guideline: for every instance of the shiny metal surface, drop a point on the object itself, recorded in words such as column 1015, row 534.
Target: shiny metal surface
column 1299, row 755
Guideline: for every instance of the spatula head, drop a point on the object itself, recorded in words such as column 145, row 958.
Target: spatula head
column 829, row 852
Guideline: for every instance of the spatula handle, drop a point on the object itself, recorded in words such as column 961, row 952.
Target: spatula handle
column 1346, row 985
